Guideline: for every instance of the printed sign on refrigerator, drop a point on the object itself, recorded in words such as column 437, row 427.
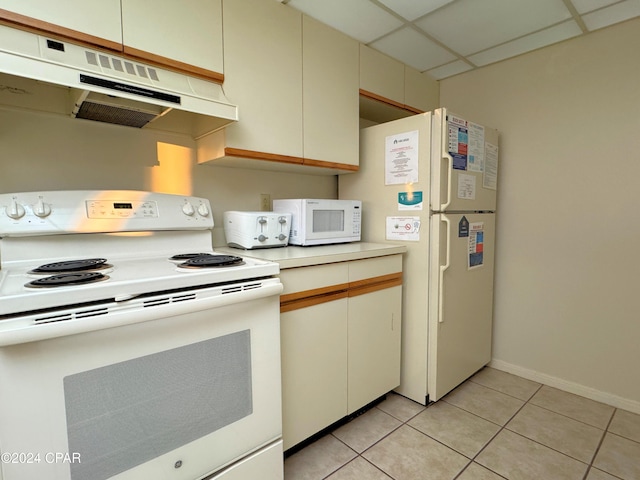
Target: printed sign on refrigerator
column 476, row 148
column 401, row 158
column 476, row 245
column 409, row 200
column 403, row 228
column 458, row 146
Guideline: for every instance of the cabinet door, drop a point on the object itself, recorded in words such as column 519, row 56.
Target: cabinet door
column 374, row 345
column 314, row 369
column 263, row 75
column 420, row 90
column 381, row 75
column 330, row 94
column 186, row 36
column 93, row 21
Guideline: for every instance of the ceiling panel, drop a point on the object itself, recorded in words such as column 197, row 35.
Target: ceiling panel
column 448, row 37
column 613, row 14
column 468, row 26
column 423, row 54
column 360, row 19
column 412, row 9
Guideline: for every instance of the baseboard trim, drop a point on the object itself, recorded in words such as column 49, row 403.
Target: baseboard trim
column 567, row 386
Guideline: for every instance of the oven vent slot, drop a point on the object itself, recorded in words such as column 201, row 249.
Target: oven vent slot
column 241, row 288
column 71, row 316
column 167, row 300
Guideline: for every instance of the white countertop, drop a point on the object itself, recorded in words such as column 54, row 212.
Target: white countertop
column 292, row 256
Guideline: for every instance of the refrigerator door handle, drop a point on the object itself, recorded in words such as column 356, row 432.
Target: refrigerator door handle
column 443, row 268
column 449, row 159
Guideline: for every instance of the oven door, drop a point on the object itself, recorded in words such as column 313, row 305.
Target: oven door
column 177, row 397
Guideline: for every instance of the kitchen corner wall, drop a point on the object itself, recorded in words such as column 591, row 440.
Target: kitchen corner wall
column 566, row 292
column 44, row 152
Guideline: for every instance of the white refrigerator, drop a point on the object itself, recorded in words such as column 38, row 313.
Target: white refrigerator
column 429, row 182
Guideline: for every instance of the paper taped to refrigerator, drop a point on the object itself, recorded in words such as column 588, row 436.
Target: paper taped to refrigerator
column 403, row 228
column 476, row 245
column 401, row 158
column 490, row 177
column 466, row 187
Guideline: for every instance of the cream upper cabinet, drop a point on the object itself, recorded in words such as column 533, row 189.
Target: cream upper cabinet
column 263, row 76
column 381, row 75
column 165, row 32
column 186, row 36
column 94, row 21
column 421, row 91
column 330, row 94
column 295, row 82
column 390, row 90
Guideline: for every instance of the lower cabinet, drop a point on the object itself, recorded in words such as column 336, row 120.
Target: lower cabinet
column 340, row 340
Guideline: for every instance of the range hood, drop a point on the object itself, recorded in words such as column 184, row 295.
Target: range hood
column 36, row 70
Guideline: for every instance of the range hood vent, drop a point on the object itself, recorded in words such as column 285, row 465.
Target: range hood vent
column 108, row 88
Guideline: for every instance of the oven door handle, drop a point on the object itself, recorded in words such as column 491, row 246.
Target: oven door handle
column 127, row 313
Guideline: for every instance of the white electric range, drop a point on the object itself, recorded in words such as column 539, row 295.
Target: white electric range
column 129, row 348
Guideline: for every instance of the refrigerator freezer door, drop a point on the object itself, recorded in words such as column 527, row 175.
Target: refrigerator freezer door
column 460, row 299
column 463, row 164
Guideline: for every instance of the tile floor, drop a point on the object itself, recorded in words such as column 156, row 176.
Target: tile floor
column 494, row 426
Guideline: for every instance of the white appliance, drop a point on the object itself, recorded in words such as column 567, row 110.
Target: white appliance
column 105, row 87
column 429, row 182
column 250, row 230
column 129, row 348
column 322, row 221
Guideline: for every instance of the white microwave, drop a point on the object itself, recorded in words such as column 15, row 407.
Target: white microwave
column 321, row 221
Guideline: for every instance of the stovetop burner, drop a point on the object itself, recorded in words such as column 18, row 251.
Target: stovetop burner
column 67, row 279
column 79, row 265
column 211, row 261
column 188, row 256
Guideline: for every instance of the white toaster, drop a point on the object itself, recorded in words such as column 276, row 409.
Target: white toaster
column 250, row 230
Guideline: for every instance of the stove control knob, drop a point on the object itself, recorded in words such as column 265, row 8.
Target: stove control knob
column 15, row 210
column 203, row 210
column 42, row 209
column 282, row 219
column 262, row 238
column 188, row 209
column 282, row 236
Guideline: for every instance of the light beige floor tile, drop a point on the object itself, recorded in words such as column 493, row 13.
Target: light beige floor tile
column 365, row 430
column 400, row 407
column 484, row 402
column 626, row 424
column 579, row 408
column 463, row 431
column 506, row 383
column 619, row 456
column 516, row 457
column 573, row 438
column 358, row 469
column 478, row 472
column 407, row 454
column 595, row 474
column 318, row 460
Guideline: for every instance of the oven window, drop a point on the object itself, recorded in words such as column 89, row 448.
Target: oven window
column 328, row 221
column 122, row 415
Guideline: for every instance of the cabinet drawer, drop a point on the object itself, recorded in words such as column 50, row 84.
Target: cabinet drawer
column 306, row 279
column 374, row 267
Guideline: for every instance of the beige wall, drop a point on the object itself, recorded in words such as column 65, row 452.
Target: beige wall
column 45, row 152
column 567, row 285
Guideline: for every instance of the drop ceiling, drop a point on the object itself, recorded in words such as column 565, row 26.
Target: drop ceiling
column 448, row 37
